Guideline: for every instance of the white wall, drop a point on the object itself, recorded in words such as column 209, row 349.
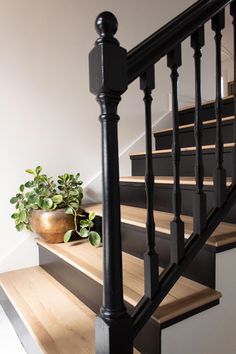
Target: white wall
column 212, row 331
column 48, row 115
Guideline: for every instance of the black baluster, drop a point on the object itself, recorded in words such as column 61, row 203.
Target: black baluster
column 218, row 24
column 147, row 84
column 199, row 204
column 233, row 14
column 177, row 225
column 113, row 326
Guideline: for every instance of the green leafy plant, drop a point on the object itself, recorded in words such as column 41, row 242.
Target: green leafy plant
column 41, row 192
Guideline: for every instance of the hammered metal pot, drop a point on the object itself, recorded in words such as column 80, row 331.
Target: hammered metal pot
column 51, row 225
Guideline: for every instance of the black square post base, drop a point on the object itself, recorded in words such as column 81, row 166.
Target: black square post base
column 114, row 336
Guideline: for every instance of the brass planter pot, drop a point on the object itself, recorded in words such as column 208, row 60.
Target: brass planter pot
column 51, row 225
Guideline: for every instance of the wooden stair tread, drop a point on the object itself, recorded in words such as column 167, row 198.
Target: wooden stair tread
column 56, row 319
column 187, row 126
column 184, row 149
column 186, row 295
column 208, row 181
column 224, row 234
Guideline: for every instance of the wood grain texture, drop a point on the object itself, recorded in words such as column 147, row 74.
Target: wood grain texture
column 187, row 126
column 55, row 318
column 185, row 149
column 81, row 255
column 224, row 234
column 190, row 181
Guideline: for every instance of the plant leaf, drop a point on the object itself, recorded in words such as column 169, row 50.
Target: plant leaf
column 38, row 170
column 14, row 200
column 15, row 216
column 30, row 171
column 22, row 187
column 58, row 198
column 67, row 236
column 84, row 233
column 29, row 184
column 22, row 215
column 94, row 238
column 20, row 226
column 47, row 203
column 92, row 215
column 69, row 211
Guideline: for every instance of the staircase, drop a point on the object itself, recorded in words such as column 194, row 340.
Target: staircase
column 164, row 228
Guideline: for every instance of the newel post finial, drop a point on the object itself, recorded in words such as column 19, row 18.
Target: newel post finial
column 106, row 25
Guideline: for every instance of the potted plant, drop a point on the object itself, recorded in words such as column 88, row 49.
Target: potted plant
column 53, row 210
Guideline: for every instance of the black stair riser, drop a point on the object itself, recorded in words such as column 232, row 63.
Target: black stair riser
column 134, row 243
column 133, row 194
column 187, row 116
column 162, row 163
column 90, row 293
column 186, row 136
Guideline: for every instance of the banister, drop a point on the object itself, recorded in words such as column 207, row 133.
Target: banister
column 149, row 51
column 111, row 69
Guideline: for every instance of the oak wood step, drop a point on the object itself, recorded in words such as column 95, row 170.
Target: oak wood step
column 223, row 235
column 163, row 164
column 187, row 114
column 56, row 319
column 163, row 138
column 185, row 297
column 189, row 181
column 191, row 125
column 185, row 149
column 133, row 193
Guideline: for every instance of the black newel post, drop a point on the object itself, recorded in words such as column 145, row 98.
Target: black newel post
column 151, row 262
column 174, row 61
column 233, row 14
column 218, row 24
column 108, row 80
column 199, row 203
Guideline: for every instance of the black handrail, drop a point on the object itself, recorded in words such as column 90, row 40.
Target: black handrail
column 160, row 43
